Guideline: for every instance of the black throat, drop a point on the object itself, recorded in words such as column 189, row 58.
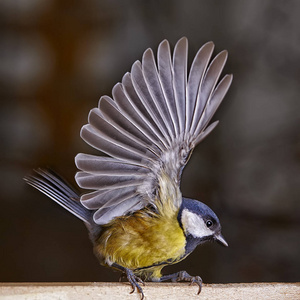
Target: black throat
column 192, row 243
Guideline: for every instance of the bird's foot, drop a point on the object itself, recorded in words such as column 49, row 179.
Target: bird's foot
column 135, row 282
column 184, row 276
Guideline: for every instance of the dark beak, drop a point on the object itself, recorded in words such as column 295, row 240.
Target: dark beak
column 219, row 237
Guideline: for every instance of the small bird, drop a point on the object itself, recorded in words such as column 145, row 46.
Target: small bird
column 137, row 218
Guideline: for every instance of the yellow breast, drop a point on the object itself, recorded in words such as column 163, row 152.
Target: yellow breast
column 141, row 240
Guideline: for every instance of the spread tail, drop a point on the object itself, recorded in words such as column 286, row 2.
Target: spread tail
column 56, row 188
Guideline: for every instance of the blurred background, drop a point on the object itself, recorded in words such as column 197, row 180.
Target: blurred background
column 57, row 57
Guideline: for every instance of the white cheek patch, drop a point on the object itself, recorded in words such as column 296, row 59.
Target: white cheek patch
column 194, row 224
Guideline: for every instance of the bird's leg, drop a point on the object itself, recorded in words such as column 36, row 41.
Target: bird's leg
column 133, row 279
column 183, row 276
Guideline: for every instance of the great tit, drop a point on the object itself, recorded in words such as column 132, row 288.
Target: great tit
column 137, row 219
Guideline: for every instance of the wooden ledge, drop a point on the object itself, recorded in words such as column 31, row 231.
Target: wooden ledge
column 107, row 290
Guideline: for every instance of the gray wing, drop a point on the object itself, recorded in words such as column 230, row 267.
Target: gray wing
column 156, row 116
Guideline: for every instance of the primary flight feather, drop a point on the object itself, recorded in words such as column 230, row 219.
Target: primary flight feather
column 156, row 117
column 135, row 213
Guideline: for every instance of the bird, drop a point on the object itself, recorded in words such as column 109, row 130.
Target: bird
column 132, row 205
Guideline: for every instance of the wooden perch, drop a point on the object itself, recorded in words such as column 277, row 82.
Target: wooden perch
column 105, row 290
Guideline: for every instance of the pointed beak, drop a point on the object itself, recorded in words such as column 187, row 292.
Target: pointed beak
column 219, row 237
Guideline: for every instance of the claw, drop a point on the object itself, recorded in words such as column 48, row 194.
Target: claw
column 198, row 281
column 184, row 276
column 133, row 279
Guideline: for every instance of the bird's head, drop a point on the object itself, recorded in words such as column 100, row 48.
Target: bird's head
column 199, row 222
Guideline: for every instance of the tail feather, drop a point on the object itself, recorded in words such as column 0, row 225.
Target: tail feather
column 56, row 188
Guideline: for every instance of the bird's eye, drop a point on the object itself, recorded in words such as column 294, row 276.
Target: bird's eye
column 209, row 223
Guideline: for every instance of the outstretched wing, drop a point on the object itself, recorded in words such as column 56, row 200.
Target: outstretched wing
column 155, row 117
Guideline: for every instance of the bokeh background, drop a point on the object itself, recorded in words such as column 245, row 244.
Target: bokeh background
column 57, row 57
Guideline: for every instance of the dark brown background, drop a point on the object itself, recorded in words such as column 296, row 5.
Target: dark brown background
column 58, row 57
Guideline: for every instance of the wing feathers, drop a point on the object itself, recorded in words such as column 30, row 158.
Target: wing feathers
column 153, row 84
column 214, row 103
column 103, row 216
column 128, row 103
column 165, row 70
column 94, row 199
column 101, row 165
column 102, row 182
column 209, row 82
column 196, row 75
column 107, row 129
column 205, row 133
column 108, row 145
column 179, row 80
column 143, row 93
column 156, row 116
column 113, row 116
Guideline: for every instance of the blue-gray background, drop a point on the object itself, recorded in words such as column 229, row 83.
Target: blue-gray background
column 58, row 57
